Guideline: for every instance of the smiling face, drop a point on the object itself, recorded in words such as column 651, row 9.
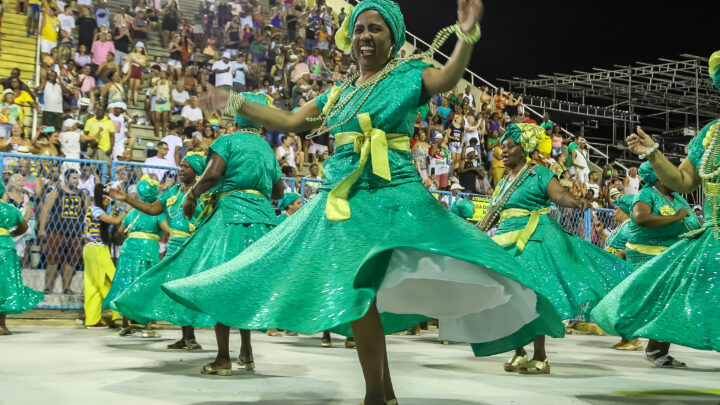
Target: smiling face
column 512, row 154
column 372, row 41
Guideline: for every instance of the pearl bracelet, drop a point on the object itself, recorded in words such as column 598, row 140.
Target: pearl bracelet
column 650, row 151
column 469, row 37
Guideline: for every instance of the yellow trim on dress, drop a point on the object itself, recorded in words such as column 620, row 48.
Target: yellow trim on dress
column 521, row 236
column 176, row 233
column 4, row 232
column 144, row 235
column 372, row 143
column 211, row 199
column 646, row 249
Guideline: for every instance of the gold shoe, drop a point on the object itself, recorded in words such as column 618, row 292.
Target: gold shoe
column 209, row 369
column 249, row 366
column 535, row 367
column 515, row 363
column 325, row 343
column 392, row 402
column 192, row 344
column 180, row 344
column 274, row 332
column 350, row 343
column 631, row 345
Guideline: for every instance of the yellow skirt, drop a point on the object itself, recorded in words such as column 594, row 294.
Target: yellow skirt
column 99, row 273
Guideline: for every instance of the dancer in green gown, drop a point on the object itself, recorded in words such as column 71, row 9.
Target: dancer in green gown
column 139, row 252
column 169, row 205
column 363, row 246
column 15, row 297
column 241, row 174
column 569, row 270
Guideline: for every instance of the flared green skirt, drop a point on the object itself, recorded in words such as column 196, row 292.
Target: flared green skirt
column 136, row 257
column 15, row 297
column 672, row 298
column 401, row 249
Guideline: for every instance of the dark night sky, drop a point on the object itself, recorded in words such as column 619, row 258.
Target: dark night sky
column 530, row 37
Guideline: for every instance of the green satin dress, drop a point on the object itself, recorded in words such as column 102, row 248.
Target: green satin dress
column 173, row 200
column 15, row 297
column 137, row 254
column 618, row 238
column 237, row 219
column 569, row 270
column 663, row 236
column 399, row 247
column 674, row 296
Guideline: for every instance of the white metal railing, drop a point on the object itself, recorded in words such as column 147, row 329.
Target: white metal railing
column 37, row 80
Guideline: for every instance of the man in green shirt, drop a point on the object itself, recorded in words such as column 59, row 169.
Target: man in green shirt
column 102, row 127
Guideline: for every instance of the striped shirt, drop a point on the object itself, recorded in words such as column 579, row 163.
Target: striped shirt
column 92, row 225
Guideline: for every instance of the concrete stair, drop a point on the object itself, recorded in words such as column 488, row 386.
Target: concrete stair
column 18, row 50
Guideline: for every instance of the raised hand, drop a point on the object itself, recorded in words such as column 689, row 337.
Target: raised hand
column 640, row 142
column 117, row 194
column 213, row 99
column 469, row 13
column 682, row 213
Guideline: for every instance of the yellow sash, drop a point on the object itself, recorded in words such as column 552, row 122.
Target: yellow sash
column 143, row 235
column 646, row 249
column 612, row 250
column 521, row 236
column 211, row 199
column 372, row 143
column 4, row 232
column 175, row 233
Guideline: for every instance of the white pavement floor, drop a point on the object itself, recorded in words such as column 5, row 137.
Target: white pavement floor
column 70, row 365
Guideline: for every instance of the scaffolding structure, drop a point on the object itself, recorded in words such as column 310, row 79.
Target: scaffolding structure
column 671, row 97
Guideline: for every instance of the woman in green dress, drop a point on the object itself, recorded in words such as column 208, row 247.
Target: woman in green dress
column 15, row 297
column 659, row 219
column 139, row 252
column 362, row 246
column 569, row 270
column 241, row 174
column 169, row 205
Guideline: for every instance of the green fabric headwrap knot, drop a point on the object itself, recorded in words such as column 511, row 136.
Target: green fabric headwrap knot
column 714, row 69
column 625, row 203
column 147, row 189
column 463, row 208
column 198, row 162
column 528, row 136
column 287, row 200
column 390, row 12
column 647, row 174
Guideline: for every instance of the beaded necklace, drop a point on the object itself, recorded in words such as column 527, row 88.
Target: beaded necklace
column 709, row 172
column 500, row 199
column 176, row 204
column 615, row 233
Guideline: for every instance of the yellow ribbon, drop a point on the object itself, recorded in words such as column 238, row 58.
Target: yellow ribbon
column 143, row 235
column 612, row 250
column 373, row 143
column 211, row 199
column 4, row 232
column 521, row 236
column 176, row 233
column 646, row 249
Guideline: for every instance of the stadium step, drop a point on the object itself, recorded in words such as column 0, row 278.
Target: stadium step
column 18, row 50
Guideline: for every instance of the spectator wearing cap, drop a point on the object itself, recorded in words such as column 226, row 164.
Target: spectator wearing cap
column 222, row 71
column 614, row 194
column 102, row 130
column 10, row 113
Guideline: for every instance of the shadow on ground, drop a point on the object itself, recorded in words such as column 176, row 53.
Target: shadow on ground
column 655, row 397
column 325, row 401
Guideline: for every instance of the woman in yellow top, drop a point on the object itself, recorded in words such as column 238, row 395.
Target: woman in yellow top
column 137, row 60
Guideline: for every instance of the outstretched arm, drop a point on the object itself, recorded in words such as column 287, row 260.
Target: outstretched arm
column 441, row 80
column 559, row 196
column 683, row 179
column 216, row 99
column 154, row 208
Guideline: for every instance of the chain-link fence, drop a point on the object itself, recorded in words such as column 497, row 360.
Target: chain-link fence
column 54, row 195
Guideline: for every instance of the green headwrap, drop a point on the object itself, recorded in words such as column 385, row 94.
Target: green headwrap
column 463, row 208
column 147, row 189
column 647, row 174
column 2, row 189
column 287, row 200
column 714, row 69
column 390, row 12
column 257, row 98
column 528, row 136
column 571, row 148
column 198, row 162
column 625, row 203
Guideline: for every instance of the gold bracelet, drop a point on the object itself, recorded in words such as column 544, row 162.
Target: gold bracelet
column 471, row 37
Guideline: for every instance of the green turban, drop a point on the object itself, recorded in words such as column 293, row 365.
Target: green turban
column 647, row 174
column 287, row 200
column 625, row 203
column 147, row 189
column 2, row 189
column 390, row 12
column 528, row 136
column 198, row 162
column 463, row 208
column 714, row 69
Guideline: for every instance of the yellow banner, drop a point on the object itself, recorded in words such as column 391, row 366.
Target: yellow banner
column 481, row 205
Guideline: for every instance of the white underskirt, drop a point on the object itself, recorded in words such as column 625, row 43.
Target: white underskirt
column 472, row 303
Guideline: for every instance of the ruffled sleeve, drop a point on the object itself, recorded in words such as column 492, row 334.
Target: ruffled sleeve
column 695, row 148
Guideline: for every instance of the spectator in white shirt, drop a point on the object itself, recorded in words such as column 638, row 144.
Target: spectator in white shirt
column 158, row 160
column 173, row 143
column 223, row 76
column 192, row 114
column 120, row 121
column 180, row 97
column 592, row 184
column 239, row 70
column 69, row 139
column 67, row 21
